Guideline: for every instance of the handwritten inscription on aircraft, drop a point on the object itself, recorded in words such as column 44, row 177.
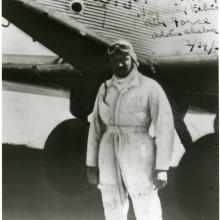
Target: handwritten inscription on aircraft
column 157, row 28
column 183, row 19
column 194, row 20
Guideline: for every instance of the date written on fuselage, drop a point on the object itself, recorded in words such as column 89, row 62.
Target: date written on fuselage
column 208, row 47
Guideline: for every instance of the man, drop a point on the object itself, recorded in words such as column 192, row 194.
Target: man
column 122, row 157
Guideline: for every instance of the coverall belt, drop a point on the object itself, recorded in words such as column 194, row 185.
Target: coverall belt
column 116, row 128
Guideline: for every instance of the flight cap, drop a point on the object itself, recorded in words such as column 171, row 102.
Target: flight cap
column 124, row 47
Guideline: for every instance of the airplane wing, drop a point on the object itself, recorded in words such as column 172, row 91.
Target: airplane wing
column 47, row 71
column 71, row 40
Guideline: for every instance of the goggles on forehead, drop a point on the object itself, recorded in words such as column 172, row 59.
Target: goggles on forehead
column 122, row 47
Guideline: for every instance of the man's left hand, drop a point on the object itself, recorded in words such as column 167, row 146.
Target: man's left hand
column 160, row 179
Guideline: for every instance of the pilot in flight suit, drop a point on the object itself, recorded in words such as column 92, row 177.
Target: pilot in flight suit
column 122, row 158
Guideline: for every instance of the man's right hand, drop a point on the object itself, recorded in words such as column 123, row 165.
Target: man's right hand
column 93, row 175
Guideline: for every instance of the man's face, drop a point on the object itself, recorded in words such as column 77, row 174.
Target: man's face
column 121, row 65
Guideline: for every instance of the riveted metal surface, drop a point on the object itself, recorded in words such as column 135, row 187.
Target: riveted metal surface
column 159, row 30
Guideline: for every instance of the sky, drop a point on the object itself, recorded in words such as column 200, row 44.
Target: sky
column 15, row 41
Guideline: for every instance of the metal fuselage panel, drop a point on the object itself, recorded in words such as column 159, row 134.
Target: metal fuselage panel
column 159, row 30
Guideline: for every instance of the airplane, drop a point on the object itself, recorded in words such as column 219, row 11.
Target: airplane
column 176, row 43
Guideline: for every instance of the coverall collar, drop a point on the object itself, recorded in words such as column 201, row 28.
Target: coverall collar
column 134, row 74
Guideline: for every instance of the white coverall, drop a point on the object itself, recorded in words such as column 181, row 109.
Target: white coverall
column 120, row 146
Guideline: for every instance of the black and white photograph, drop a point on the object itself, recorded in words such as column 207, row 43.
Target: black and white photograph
column 110, row 110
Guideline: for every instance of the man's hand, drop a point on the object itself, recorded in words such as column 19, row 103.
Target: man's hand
column 93, row 175
column 160, row 179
